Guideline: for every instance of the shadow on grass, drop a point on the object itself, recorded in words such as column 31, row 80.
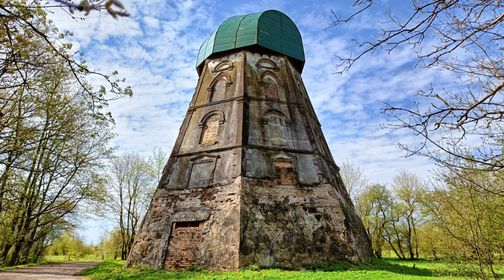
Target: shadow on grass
column 404, row 267
column 116, row 270
column 385, row 265
column 373, row 265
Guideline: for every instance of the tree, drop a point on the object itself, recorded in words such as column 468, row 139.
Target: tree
column 408, row 190
column 54, row 144
column 110, row 245
column 353, row 178
column 130, row 189
column 374, row 204
column 89, row 5
column 465, row 38
column 54, row 132
column 27, row 42
column 433, row 242
column 157, row 161
column 69, row 245
column 471, row 219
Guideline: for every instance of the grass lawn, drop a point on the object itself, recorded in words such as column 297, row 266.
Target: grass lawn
column 60, row 259
column 378, row 269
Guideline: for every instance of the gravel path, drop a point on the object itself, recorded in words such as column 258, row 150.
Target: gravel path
column 61, row 271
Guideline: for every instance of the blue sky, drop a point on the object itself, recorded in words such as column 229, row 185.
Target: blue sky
column 155, row 50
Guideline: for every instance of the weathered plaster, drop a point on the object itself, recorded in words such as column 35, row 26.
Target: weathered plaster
column 265, row 189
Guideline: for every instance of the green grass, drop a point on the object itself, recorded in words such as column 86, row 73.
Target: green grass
column 378, row 269
column 60, row 259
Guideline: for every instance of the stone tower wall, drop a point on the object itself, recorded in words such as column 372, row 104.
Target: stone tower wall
column 201, row 183
column 309, row 218
column 250, row 179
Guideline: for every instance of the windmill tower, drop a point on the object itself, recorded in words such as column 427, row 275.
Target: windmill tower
column 250, row 179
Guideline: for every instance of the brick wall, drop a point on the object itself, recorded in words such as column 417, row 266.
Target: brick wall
column 210, row 133
column 184, row 247
column 286, row 175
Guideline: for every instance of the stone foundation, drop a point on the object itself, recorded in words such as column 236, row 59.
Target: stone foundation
column 216, row 213
column 291, row 226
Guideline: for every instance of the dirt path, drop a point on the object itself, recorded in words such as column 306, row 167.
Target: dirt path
column 64, row 271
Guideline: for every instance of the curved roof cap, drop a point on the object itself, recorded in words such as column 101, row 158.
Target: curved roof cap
column 270, row 29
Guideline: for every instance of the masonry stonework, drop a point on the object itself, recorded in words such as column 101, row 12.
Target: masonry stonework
column 264, row 191
column 250, row 179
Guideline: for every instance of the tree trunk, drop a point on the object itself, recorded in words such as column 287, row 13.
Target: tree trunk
column 15, row 254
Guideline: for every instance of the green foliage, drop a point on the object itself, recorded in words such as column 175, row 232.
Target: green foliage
column 70, row 246
column 405, row 216
column 374, row 205
column 377, row 269
column 252, row 267
column 130, row 188
column 469, row 213
column 109, row 246
column 30, row 42
column 54, row 133
column 460, row 218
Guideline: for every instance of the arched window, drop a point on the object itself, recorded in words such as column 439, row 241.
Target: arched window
column 218, row 90
column 210, row 125
column 270, row 86
column 277, row 129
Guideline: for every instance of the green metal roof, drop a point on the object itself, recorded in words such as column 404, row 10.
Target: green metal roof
column 269, row 29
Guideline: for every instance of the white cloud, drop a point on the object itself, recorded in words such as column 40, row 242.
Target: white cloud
column 349, row 105
column 155, row 50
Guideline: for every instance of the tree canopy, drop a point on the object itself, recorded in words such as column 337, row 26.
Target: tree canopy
column 466, row 38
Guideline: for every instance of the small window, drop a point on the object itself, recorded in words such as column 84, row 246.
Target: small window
column 210, row 133
column 270, row 87
column 186, row 224
column 286, row 175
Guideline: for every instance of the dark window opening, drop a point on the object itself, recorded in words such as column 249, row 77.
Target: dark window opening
column 186, row 224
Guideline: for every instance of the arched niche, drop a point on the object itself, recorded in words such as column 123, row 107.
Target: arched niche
column 277, row 129
column 218, row 87
column 210, row 127
column 285, row 170
column 270, row 85
column 266, row 63
column 222, row 66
